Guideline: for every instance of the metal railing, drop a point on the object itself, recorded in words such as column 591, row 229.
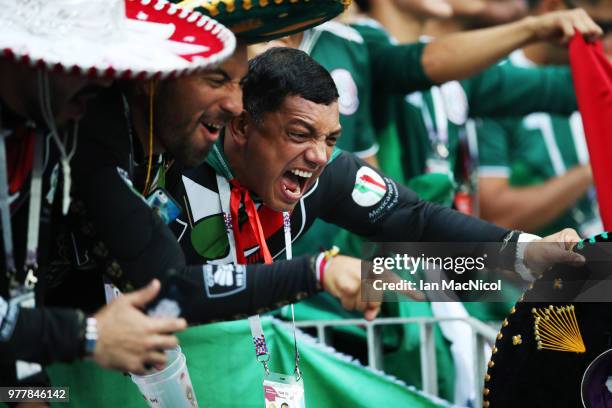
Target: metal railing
column 481, row 332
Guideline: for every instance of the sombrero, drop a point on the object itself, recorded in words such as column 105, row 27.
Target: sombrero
column 256, row 21
column 553, row 347
column 112, row 38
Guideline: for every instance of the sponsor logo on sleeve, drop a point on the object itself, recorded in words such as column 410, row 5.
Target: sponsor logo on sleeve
column 225, row 280
column 369, row 188
column 373, row 190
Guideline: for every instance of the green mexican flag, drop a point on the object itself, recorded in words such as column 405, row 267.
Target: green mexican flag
column 224, row 373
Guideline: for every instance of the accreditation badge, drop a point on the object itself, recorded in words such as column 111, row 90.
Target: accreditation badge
column 436, row 165
column 283, row 391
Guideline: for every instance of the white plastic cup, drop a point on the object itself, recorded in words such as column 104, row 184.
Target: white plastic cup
column 170, row 387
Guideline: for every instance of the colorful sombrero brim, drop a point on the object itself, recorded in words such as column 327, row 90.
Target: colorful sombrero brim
column 538, row 363
column 156, row 40
column 256, row 21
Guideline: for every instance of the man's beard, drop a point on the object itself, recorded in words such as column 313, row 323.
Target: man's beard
column 178, row 146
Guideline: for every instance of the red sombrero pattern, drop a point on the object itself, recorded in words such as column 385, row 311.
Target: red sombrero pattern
column 139, row 39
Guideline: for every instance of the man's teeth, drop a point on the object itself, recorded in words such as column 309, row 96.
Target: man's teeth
column 301, row 173
column 211, row 125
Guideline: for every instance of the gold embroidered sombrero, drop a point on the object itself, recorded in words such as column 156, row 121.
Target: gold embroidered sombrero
column 256, row 21
column 558, row 328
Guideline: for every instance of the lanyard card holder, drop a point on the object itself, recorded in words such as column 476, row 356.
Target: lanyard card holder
column 438, row 160
column 437, row 165
column 22, row 291
column 283, row 391
column 280, row 390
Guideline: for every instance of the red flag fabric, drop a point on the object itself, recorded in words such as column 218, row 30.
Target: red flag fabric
column 592, row 75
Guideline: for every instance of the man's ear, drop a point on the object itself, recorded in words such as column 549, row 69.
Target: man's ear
column 239, row 128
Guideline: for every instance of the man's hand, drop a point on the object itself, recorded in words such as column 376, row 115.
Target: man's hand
column 128, row 340
column 561, row 25
column 556, row 248
column 587, row 172
column 342, row 279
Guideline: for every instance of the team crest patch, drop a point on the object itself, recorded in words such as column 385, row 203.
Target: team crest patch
column 348, row 102
column 226, row 280
column 369, row 188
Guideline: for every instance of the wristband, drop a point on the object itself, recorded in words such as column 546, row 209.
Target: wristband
column 523, row 270
column 322, row 263
column 91, row 336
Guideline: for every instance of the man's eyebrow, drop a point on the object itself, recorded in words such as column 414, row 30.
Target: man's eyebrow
column 302, row 122
column 311, row 129
column 219, row 71
column 336, row 132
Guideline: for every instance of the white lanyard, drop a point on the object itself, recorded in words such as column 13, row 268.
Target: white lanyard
column 33, row 212
column 224, row 197
column 438, row 136
column 5, row 208
column 259, row 341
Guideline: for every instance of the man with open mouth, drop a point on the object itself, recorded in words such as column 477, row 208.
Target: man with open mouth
column 275, row 170
column 135, row 141
column 119, row 237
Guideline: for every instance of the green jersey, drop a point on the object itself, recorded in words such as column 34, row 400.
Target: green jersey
column 535, row 148
column 420, row 132
column 343, row 52
column 394, row 74
column 432, row 123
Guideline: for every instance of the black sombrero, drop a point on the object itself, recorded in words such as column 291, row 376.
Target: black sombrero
column 254, row 21
column 560, row 329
